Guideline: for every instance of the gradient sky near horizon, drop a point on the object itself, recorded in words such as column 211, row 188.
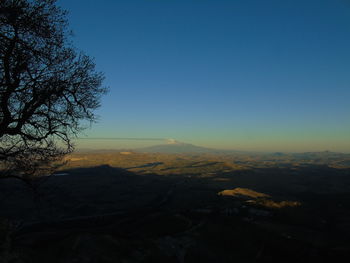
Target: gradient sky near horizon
column 246, row 75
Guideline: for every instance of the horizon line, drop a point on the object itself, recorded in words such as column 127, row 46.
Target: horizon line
column 120, row 138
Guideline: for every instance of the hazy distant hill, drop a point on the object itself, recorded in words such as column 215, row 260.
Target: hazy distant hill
column 320, row 155
column 176, row 147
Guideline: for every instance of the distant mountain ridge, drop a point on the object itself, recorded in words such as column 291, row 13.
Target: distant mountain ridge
column 176, row 147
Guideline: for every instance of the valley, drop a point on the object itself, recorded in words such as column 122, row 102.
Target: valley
column 156, row 207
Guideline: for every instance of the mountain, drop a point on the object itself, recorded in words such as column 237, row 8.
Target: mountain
column 174, row 146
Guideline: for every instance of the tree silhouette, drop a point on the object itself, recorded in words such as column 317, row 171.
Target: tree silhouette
column 47, row 88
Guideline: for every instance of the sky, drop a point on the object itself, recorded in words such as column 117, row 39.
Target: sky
column 245, row 75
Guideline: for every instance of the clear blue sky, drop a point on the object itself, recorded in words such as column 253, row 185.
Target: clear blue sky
column 249, row 75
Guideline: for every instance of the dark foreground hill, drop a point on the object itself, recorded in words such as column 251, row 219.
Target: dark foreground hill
column 245, row 214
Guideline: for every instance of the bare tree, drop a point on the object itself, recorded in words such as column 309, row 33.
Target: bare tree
column 47, row 88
